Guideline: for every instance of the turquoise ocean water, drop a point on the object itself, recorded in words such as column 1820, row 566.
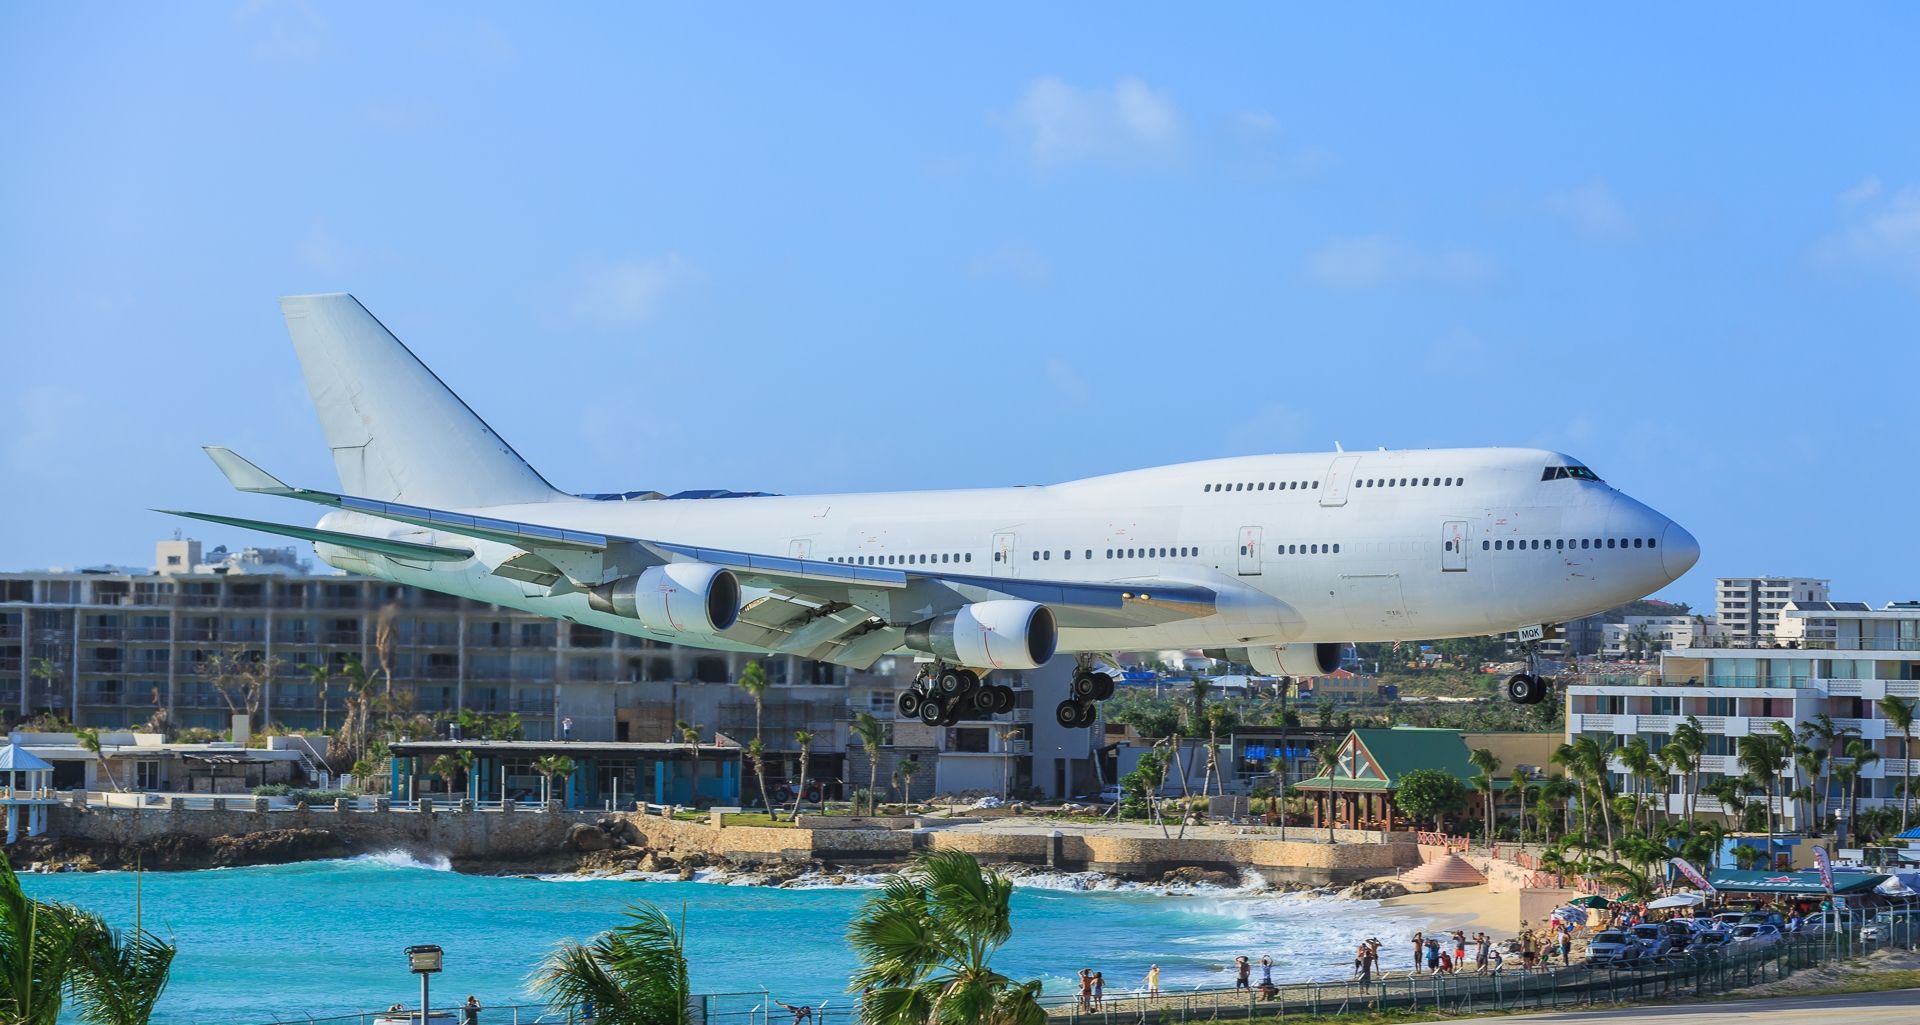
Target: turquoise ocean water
column 325, row 938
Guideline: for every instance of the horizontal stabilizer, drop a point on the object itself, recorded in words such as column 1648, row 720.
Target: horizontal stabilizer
column 381, row 545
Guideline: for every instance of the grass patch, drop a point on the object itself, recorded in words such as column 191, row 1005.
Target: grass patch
column 757, row 818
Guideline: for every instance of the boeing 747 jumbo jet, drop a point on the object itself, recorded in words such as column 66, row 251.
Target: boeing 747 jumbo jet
column 1274, row 560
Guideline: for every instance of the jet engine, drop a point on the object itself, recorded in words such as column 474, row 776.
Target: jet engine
column 1004, row 634
column 677, row 598
column 1295, row 659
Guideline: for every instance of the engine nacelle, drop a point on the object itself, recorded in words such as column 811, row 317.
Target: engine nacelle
column 1295, row 659
column 1004, row 634
column 679, row 598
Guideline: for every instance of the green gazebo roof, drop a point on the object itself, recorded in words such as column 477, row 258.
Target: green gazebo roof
column 1376, row 759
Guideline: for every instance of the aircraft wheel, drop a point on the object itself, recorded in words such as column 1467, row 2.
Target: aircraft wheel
column 1520, row 689
column 951, row 682
column 909, row 704
column 1067, row 714
column 1086, row 716
column 1003, row 699
column 984, row 701
column 969, row 679
column 932, row 711
column 1539, row 691
column 952, row 718
column 1102, row 686
column 1084, row 685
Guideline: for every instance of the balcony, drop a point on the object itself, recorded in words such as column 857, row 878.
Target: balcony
column 246, row 635
column 534, row 706
column 202, row 634
column 148, row 633
column 93, row 696
column 102, row 633
column 110, row 667
column 340, row 637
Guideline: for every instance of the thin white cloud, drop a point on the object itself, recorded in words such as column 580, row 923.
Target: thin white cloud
column 1255, row 123
column 1060, row 124
column 1593, row 211
column 1879, row 232
column 631, row 291
column 1372, row 261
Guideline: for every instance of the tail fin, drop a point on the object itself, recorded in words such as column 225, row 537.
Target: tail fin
column 397, row 432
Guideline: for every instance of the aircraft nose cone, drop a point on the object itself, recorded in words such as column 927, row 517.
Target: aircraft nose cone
column 1678, row 551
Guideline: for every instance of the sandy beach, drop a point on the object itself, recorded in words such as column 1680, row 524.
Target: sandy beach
column 1468, row 907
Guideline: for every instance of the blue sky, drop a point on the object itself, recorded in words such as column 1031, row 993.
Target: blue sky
column 864, row 248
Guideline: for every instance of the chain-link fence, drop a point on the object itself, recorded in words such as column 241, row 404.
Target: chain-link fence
column 1699, row 973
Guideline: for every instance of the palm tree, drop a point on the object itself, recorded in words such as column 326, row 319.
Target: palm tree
column 1556, row 794
column 321, row 676
column 1811, row 762
column 1201, row 686
column 550, row 768
column 1860, row 754
column 1899, row 717
column 804, row 740
column 1519, row 784
column 907, row 768
column 120, row 975
column 926, row 943
column 870, row 733
column 45, row 670
column 1760, row 756
column 1831, row 737
column 1285, row 686
column 90, row 741
column 632, row 974
column 690, row 733
column 753, row 680
column 1690, row 737
column 450, row 767
column 49, row 951
column 1589, row 763
column 1488, row 763
column 1641, row 767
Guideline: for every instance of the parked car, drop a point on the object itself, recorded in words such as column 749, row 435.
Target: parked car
column 1756, row 935
column 1764, row 918
column 1709, row 940
column 1613, row 947
column 1112, row 793
column 1655, row 940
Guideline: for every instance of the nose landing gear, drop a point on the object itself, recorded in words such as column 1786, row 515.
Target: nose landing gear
column 1527, row 689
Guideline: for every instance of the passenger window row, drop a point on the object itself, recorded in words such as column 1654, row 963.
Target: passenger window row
column 1307, row 549
column 1410, row 482
column 924, row 559
column 1562, row 544
column 1269, row 485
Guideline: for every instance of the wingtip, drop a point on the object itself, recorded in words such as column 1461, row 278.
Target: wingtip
column 242, row 474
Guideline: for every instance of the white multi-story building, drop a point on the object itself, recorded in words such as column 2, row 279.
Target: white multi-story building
column 1655, row 634
column 1739, row 693
column 1747, row 609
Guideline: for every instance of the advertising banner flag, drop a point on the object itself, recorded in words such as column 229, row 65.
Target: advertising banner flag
column 1826, row 868
column 1685, row 868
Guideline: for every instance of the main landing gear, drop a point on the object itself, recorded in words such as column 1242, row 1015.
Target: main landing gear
column 1089, row 685
column 943, row 695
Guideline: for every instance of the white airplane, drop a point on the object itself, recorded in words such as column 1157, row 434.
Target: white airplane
column 1274, row 560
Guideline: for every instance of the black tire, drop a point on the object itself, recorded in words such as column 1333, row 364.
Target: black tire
column 1003, row 699
column 1538, row 692
column 1084, row 685
column 1520, row 689
column 970, row 680
column 932, row 710
column 952, row 718
column 950, row 683
column 1102, row 686
column 1087, row 714
column 1067, row 714
column 908, row 704
column 984, row 701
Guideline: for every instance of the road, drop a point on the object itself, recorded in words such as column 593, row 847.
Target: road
column 1902, row 1005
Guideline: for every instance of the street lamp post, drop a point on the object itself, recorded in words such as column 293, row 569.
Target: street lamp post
column 424, row 960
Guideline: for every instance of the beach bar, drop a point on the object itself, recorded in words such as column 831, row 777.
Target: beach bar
column 598, row 774
column 28, row 791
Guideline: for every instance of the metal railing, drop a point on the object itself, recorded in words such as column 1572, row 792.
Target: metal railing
column 1509, row 989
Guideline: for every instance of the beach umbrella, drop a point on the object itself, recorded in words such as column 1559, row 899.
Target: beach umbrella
column 1678, row 900
column 1591, row 901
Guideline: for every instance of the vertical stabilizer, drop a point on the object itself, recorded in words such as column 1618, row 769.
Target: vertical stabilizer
column 397, row 432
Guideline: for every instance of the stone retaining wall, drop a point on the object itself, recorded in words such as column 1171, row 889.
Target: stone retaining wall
column 470, row 835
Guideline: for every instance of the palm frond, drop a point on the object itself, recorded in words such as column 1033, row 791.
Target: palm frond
column 633, row 974
column 119, row 976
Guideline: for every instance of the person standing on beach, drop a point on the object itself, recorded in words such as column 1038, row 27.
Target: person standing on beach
column 1459, row 946
column 1099, row 989
column 1433, row 954
column 1153, row 980
column 1086, row 989
column 1243, row 970
column 1266, row 970
column 1419, row 944
column 470, row 1011
column 1480, row 945
column 1363, row 963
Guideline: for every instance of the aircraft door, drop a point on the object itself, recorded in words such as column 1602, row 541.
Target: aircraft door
column 1453, row 546
column 1000, row 562
column 1339, row 479
column 800, row 548
column 1249, row 551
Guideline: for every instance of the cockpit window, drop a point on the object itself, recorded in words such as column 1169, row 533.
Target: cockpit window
column 1576, row 472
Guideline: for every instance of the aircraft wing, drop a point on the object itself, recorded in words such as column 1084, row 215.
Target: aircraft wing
column 825, row 610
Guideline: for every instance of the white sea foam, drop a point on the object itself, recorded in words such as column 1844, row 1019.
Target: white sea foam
column 405, row 859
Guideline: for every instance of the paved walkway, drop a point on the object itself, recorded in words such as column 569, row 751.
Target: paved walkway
column 1902, row 1006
